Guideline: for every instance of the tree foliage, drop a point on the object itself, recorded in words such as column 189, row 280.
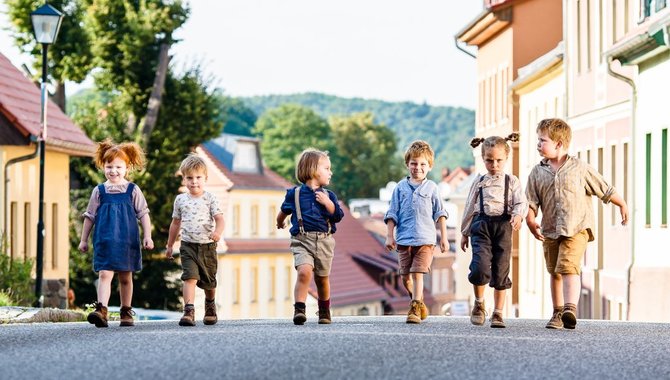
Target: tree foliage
column 287, row 130
column 365, row 156
column 447, row 129
column 238, row 119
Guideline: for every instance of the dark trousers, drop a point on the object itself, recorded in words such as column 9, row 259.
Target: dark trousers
column 491, row 239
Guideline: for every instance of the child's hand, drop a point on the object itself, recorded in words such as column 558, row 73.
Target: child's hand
column 535, row 230
column 444, row 245
column 148, row 243
column 516, row 222
column 465, row 242
column 322, row 197
column 281, row 225
column 168, row 253
column 390, row 243
column 624, row 214
column 215, row 236
column 83, row 246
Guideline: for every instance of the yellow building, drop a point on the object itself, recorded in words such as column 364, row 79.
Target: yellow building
column 20, row 125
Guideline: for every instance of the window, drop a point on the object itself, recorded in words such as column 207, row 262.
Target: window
column 14, row 230
column 272, row 225
column 625, row 172
column 254, row 220
column 236, row 285
column 236, row 220
column 54, row 236
column 254, row 285
column 27, row 236
column 647, row 202
column 579, row 36
column 664, row 178
column 246, row 157
column 588, row 35
column 271, row 284
column 288, row 282
column 613, row 178
column 614, row 21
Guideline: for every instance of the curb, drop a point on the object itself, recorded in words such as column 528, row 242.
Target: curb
column 36, row 315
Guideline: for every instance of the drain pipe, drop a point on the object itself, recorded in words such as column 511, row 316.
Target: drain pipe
column 13, row 161
column 632, row 209
column 459, row 47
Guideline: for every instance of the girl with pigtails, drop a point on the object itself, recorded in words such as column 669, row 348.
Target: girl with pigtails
column 495, row 207
column 113, row 211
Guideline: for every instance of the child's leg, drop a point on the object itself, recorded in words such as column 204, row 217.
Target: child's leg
column 409, row 286
column 126, row 288
column 322, row 287
column 188, row 289
column 572, row 287
column 302, row 282
column 479, row 291
column 498, row 299
column 417, row 288
column 556, row 286
column 210, row 294
column 105, row 286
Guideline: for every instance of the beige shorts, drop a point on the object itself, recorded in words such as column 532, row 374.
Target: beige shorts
column 564, row 255
column 316, row 249
column 414, row 259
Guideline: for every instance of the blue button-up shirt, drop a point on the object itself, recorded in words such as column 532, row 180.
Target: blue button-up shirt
column 415, row 210
column 315, row 217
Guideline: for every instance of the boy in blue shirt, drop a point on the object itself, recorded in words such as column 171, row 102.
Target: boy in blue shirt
column 415, row 208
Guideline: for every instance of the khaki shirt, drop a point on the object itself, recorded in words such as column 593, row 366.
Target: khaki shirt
column 493, row 191
column 565, row 196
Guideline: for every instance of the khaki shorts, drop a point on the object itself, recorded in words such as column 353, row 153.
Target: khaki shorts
column 414, row 259
column 316, row 249
column 564, row 255
column 199, row 262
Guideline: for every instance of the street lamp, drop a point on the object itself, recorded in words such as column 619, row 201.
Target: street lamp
column 46, row 23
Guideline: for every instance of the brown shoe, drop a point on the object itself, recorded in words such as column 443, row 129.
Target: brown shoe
column 189, row 317
column 569, row 316
column 424, row 311
column 497, row 321
column 478, row 315
column 414, row 313
column 210, row 313
column 299, row 316
column 324, row 317
column 556, row 322
column 99, row 316
column 127, row 314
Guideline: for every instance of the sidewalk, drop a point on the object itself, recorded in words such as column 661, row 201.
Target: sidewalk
column 17, row 314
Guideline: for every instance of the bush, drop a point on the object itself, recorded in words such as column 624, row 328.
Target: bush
column 6, row 299
column 16, row 278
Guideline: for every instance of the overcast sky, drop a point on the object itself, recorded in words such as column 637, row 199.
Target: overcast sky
column 394, row 50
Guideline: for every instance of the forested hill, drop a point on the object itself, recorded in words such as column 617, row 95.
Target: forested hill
column 447, row 129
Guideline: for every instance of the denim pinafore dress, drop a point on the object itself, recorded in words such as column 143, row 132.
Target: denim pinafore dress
column 116, row 240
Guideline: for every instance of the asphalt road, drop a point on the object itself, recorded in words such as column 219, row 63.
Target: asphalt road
column 350, row 348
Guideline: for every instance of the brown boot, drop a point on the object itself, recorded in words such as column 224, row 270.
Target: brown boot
column 210, row 313
column 127, row 316
column 424, row 311
column 299, row 316
column 414, row 313
column 324, row 317
column 189, row 317
column 99, row 316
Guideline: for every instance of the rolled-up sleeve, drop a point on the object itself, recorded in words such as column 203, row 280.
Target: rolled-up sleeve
column 438, row 207
column 289, row 203
column 596, row 185
column 338, row 214
column 392, row 213
column 469, row 210
column 531, row 192
column 520, row 203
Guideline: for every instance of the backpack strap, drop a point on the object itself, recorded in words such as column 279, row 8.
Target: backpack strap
column 506, row 192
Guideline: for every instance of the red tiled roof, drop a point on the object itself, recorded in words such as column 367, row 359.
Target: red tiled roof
column 267, row 180
column 20, row 103
column 349, row 284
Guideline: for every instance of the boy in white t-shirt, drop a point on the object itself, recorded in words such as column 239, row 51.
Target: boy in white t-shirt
column 197, row 216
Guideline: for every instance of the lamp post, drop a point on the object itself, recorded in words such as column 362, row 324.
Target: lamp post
column 46, row 22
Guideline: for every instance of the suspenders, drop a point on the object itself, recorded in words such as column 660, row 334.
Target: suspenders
column 299, row 213
column 481, row 197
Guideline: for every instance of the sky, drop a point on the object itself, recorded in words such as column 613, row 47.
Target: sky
column 393, row 50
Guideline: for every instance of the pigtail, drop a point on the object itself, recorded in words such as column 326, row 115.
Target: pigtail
column 103, row 147
column 135, row 154
column 513, row 137
column 476, row 142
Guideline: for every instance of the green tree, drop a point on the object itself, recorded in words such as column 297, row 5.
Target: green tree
column 70, row 58
column 238, row 119
column 365, row 156
column 287, row 131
